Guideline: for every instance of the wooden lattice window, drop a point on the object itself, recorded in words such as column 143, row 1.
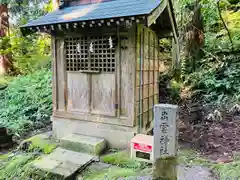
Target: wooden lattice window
column 94, row 53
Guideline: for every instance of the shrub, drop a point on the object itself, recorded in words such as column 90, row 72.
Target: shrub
column 26, row 102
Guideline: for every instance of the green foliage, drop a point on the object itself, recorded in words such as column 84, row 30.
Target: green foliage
column 216, row 78
column 13, row 167
column 4, row 80
column 113, row 173
column 122, row 159
column 218, row 82
column 21, row 167
column 29, row 53
column 226, row 171
column 175, row 91
column 26, row 104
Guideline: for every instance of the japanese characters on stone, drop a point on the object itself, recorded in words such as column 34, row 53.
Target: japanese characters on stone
column 164, row 139
column 165, row 117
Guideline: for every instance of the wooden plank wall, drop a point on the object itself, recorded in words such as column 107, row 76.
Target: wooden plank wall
column 72, row 94
column 146, row 93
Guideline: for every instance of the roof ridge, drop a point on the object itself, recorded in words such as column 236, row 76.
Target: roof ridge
column 77, row 3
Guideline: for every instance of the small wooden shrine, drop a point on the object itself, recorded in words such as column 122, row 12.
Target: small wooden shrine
column 106, row 60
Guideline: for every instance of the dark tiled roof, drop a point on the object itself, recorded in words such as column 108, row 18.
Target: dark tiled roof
column 104, row 10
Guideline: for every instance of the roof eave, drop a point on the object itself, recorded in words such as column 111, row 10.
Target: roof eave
column 138, row 18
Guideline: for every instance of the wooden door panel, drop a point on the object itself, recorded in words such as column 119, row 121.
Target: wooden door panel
column 103, row 94
column 78, row 92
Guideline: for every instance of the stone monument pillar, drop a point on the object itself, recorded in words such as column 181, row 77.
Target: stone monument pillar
column 165, row 142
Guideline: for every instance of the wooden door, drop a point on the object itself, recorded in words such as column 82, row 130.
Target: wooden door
column 103, row 85
column 91, row 77
column 103, row 94
column 78, row 92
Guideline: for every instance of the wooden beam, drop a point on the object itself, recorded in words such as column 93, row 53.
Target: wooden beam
column 156, row 13
column 174, row 28
column 54, row 74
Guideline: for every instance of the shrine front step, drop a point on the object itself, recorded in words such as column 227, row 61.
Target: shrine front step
column 62, row 163
column 85, row 144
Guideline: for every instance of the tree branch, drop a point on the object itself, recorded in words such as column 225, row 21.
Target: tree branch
column 220, row 14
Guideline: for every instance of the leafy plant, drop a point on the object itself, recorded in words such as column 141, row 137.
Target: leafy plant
column 26, row 104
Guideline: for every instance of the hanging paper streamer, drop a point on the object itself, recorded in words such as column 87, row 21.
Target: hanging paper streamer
column 78, row 48
column 110, row 42
column 91, row 47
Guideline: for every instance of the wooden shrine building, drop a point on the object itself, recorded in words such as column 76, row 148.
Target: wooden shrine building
column 106, row 59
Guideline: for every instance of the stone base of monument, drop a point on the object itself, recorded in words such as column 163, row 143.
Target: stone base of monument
column 165, row 168
column 142, row 148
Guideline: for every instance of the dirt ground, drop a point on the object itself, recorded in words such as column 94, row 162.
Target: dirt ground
column 213, row 137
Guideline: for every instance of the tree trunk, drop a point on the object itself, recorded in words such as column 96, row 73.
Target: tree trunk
column 194, row 37
column 4, row 28
column 6, row 65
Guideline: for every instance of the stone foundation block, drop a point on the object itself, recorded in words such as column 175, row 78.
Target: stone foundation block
column 82, row 143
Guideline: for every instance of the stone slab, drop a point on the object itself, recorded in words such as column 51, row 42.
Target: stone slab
column 94, row 167
column 63, row 162
column 82, row 143
column 194, row 173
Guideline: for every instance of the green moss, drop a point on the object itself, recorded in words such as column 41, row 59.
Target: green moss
column 15, row 166
column 111, row 173
column 224, row 171
column 190, row 157
column 165, row 168
column 122, row 159
column 41, row 142
column 4, row 156
column 20, row 167
column 228, row 171
column 4, row 80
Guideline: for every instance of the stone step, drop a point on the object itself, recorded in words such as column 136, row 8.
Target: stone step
column 63, row 163
column 81, row 143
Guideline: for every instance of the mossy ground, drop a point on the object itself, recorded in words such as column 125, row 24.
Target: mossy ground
column 229, row 170
column 42, row 143
column 191, row 157
column 110, row 173
column 16, row 166
column 19, row 165
column 4, row 80
column 223, row 171
column 122, row 159
column 121, row 166
column 187, row 157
